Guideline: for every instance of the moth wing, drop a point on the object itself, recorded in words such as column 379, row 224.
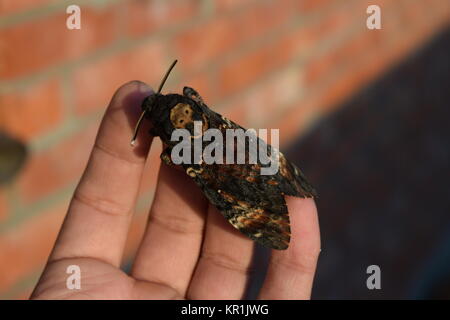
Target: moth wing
column 257, row 211
column 290, row 178
column 252, row 203
column 292, row 181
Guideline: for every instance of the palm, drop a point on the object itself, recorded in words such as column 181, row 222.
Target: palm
column 104, row 281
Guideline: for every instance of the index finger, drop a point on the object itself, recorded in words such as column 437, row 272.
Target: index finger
column 291, row 272
column 99, row 215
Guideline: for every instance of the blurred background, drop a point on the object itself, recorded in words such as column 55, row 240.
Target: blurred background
column 364, row 112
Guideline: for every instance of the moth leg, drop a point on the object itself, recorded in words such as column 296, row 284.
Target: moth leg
column 165, row 156
column 194, row 95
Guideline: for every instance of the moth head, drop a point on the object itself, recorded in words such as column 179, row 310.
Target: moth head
column 149, row 103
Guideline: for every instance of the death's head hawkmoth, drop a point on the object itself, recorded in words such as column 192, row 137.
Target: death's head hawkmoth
column 252, row 202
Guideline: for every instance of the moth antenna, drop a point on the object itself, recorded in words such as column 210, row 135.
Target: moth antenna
column 167, row 75
column 136, row 129
column 138, row 124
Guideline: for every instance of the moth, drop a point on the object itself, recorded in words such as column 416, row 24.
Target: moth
column 251, row 202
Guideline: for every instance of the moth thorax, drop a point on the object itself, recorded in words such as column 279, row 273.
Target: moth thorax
column 181, row 115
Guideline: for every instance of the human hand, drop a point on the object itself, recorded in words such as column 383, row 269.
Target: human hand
column 189, row 251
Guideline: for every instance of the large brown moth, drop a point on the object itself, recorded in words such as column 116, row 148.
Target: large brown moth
column 253, row 203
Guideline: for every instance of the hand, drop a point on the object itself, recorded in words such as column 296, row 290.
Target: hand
column 188, row 250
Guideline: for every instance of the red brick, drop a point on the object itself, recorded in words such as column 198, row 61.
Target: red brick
column 197, row 48
column 146, row 17
column 227, row 5
column 258, row 107
column 421, row 19
column 368, row 56
column 383, row 49
column 3, row 205
column 33, row 110
column 350, row 79
column 34, row 45
column 330, row 24
column 14, row 6
column 248, row 68
column 95, row 83
column 24, row 250
column 244, row 70
column 241, row 73
column 343, row 86
column 296, row 121
column 305, row 6
column 366, row 42
column 48, row 171
column 320, row 102
column 320, row 67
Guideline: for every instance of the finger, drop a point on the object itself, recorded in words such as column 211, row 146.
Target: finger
column 291, row 272
column 171, row 244
column 99, row 215
column 225, row 263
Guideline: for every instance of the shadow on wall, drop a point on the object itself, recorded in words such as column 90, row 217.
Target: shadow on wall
column 381, row 166
column 12, row 157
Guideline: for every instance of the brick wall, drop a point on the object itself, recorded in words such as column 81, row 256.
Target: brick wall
column 274, row 64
